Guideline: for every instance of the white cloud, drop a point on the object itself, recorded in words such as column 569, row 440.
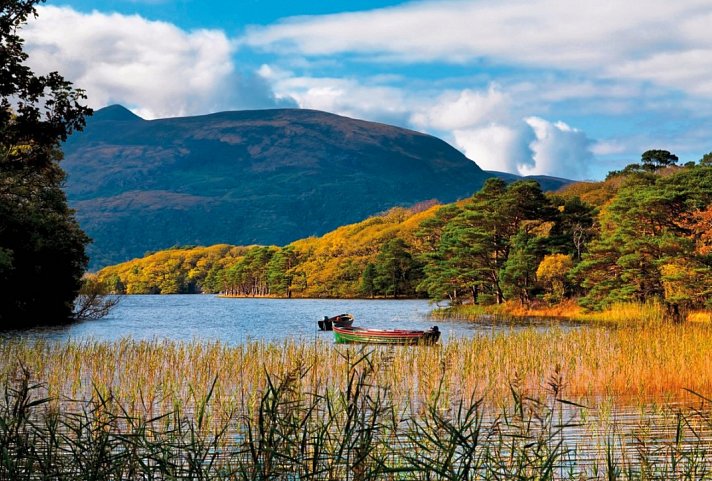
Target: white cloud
column 504, row 148
column 532, row 146
column 488, row 127
column 457, row 110
column 485, row 124
column 160, row 70
column 609, row 147
column 559, row 150
column 153, row 67
column 343, row 96
column 690, row 70
column 654, row 40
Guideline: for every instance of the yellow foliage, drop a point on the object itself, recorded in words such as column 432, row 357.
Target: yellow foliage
column 552, row 272
column 332, row 264
column 683, row 282
column 328, row 266
column 554, row 267
column 594, row 193
column 170, row 271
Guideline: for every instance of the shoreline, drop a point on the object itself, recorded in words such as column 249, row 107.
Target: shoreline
column 296, row 298
column 618, row 314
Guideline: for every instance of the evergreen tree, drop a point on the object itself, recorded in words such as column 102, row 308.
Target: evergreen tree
column 396, row 270
column 474, row 245
column 519, row 271
column 368, row 280
column 574, row 227
column 280, row 271
column 706, row 160
column 657, row 159
column 647, row 244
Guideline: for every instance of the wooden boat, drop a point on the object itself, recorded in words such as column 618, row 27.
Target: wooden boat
column 385, row 336
column 342, row 320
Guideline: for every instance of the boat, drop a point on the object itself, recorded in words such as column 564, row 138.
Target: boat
column 342, row 320
column 385, row 336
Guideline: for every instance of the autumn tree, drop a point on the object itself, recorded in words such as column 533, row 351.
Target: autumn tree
column 42, row 255
column 552, row 273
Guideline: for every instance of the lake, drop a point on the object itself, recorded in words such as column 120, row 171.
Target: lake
column 236, row 320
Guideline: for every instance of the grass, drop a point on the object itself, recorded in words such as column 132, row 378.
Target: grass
column 356, row 429
column 700, row 317
column 500, row 405
column 621, row 314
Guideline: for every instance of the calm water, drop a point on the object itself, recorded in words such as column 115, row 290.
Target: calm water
column 234, row 321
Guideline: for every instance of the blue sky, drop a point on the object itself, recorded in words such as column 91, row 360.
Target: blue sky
column 571, row 89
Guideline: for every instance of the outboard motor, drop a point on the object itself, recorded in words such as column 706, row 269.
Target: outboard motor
column 433, row 335
column 325, row 325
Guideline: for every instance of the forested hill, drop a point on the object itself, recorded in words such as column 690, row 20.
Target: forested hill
column 248, row 177
column 644, row 235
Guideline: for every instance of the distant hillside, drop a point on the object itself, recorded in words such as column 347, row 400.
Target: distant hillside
column 547, row 182
column 249, row 177
column 326, row 266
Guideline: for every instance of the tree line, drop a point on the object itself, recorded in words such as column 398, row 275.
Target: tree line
column 647, row 236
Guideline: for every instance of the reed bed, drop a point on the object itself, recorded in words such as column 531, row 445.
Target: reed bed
column 620, row 314
column 631, row 364
column 355, row 429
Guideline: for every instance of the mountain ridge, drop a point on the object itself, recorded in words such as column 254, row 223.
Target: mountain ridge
column 247, row 177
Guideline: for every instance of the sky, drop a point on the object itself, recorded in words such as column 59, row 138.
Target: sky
column 566, row 88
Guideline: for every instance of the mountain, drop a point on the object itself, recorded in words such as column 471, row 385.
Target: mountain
column 547, row 182
column 247, row 177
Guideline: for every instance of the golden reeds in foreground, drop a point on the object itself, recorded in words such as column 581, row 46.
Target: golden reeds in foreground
column 350, row 424
column 631, row 365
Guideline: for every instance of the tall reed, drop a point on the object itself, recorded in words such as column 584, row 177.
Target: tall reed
column 356, row 431
column 636, row 365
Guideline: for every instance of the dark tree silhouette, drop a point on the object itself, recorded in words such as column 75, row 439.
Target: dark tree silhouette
column 42, row 256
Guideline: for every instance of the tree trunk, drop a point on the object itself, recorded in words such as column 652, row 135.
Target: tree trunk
column 676, row 314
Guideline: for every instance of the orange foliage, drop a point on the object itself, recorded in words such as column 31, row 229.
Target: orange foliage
column 701, row 226
column 594, row 193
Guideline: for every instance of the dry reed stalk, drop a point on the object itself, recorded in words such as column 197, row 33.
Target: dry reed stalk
column 621, row 314
column 157, row 376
